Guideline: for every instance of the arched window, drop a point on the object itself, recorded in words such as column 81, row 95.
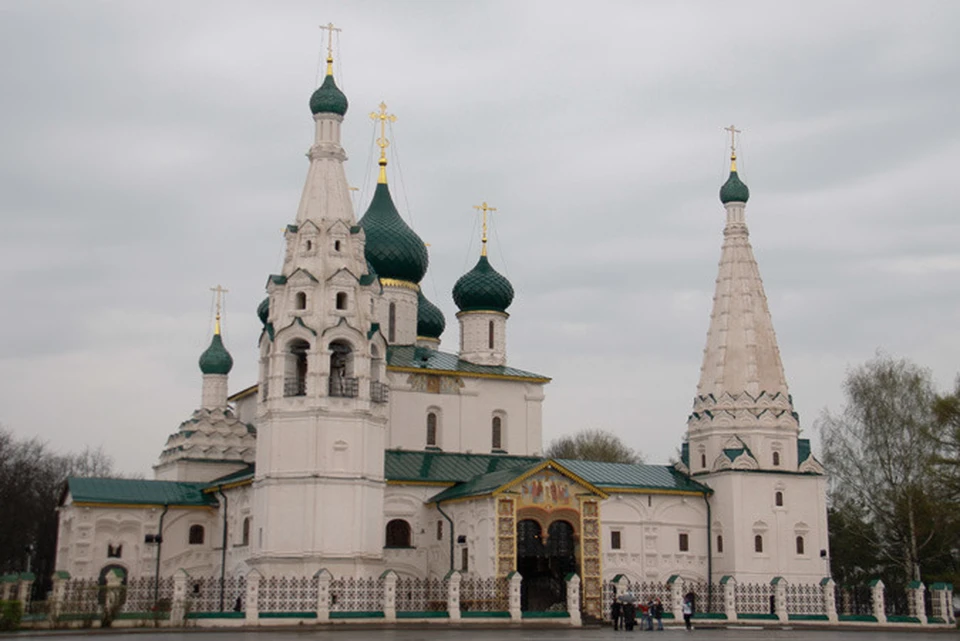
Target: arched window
column 300, row 301
column 778, row 498
column 295, row 371
column 336, row 245
column 776, row 458
column 496, row 433
column 490, row 335
column 392, row 323
column 758, row 543
column 719, row 544
column 309, row 245
column 342, row 381
column 246, row 532
column 398, row 534
column 341, row 300
column 703, row 460
column 431, row 429
column 799, row 545
column 196, row 535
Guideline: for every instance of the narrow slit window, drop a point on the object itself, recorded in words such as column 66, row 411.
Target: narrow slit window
column 684, row 542
column 719, row 544
column 490, row 335
column 497, row 433
column 615, row 540
column 392, row 323
column 778, row 499
column 341, row 300
column 758, row 543
column 432, row 429
column 776, row 459
column 799, row 545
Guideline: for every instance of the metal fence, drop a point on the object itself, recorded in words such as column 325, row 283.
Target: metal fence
column 480, row 594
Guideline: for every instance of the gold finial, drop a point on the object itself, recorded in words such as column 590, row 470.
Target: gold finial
column 220, row 292
column 483, row 239
column 733, row 146
column 330, row 29
column 382, row 141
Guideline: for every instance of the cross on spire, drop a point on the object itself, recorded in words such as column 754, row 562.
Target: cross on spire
column 733, row 145
column 382, row 141
column 329, row 28
column 220, row 291
column 485, row 208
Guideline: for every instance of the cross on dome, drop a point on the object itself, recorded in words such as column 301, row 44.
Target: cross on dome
column 220, row 291
column 329, row 28
column 382, row 141
column 484, row 207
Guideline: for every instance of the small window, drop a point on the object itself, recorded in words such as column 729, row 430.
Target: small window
column 778, row 499
column 246, row 532
column 776, row 458
column 464, row 560
column 439, row 530
column 301, row 301
column 392, row 323
column 615, row 540
column 114, row 551
column 398, row 534
column 758, row 543
column 719, row 544
column 341, row 300
column 490, row 335
column 799, row 545
column 196, row 535
column 309, row 245
column 431, row 429
column 336, row 245
column 703, row 460
column 497, row 433
column 684, row 542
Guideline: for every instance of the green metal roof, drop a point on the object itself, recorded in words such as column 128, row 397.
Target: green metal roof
column 394, row 250
column 633, row 476
column 483, row 484
column 216, row 359
column 430, row 320
column 233, row 477
column 732, row 453
column 483, row 289
column 442, row 467
column 734, row 190
column 803, row 450
column 328, row 98
column 422, row 358
column 138, row 492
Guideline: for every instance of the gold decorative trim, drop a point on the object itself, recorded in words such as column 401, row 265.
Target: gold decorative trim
column 506, row 519
column 483, row 311
column 394, row 282
column 591, row 571
column 551, row 464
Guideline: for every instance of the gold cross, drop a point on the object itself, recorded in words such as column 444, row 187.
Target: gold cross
column 484, row 208
column 330, row 29
column 382, row 141
column 220, row 292
column 733, row 139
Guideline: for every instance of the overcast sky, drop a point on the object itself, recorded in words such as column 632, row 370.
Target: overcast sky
column 151, row 150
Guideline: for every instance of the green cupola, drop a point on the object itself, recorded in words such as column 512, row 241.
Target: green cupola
column 263, row 310
column 430, row 320
column 483, row 289
column 328, row 99
column 734, row 190
column 216, row 359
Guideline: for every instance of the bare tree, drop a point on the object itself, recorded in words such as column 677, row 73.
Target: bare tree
column 879, row 453
column 593, row 445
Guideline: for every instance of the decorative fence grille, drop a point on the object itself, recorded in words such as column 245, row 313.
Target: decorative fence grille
column 203, row 594
column 606, row 600
column 288, row 594
column 81, row 596
column 421, row 595
column 805, row 599
column 141, row 597
column 478, row 594
column 348, row 594
column 706, row 597
column 755, row 598
column 853, row 600
column 895, row 601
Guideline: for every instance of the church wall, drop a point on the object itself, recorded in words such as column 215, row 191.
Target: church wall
column 744, row 507
column 466, row 408
column 195, row 471
column 650, row 526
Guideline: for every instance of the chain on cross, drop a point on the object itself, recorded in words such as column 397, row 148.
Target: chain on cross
column 484, row 208
column 220, row 291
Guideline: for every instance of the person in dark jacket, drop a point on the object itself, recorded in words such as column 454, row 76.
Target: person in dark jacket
column 658, row 613
column 616, row 613
column 629, row 616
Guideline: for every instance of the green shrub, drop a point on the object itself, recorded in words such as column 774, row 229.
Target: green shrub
column 10, row 614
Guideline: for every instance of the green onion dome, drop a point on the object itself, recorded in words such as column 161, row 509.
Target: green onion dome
column 392, row 248
column 734, row 190
column 483, row 289
column 216, row 360
column 263, row 310
column 430, row 320
column 328, row 99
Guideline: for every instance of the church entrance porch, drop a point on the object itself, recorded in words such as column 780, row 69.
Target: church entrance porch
column 544, row 559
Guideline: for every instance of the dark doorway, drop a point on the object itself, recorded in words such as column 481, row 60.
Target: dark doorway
column 544, row 562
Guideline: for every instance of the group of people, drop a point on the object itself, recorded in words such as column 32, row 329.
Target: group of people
column 625, row 609
column 624, row 613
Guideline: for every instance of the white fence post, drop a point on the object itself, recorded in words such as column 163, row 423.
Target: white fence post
column 515, row 580
column 573, row 599
column 389, row 595
column 59, row 593
column 453, row 595
column 915, row 592
column 729, row 597
column 876, row 595
column 676, row 596
column 252, row 599
column 178, row 607
column 829, row 599
column 24, row 588
column 324, row 578
column 780, row 598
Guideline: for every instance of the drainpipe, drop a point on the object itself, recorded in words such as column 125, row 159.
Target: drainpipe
column 223, row 553
column 450, row 521
column 156, row 573
column 706, row 499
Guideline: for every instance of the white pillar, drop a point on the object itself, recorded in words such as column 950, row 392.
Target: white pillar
column 515, row 580
column 830, row 599
column 253, row 597
column 389, row 595
column 876, row 595
column 729, row 597
column 58, row 593
column 453, row 595
column 323, row 594
column 915, row 592
column 24, row 588
column 780, row 598
column 573, row 599
column 178, row 608
column 676, row 596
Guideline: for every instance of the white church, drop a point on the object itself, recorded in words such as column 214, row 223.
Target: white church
column 365, row 447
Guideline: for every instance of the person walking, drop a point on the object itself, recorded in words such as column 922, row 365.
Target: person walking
column 616, row 613
column 687, row 612
column 629, row 616
column 658, row 613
